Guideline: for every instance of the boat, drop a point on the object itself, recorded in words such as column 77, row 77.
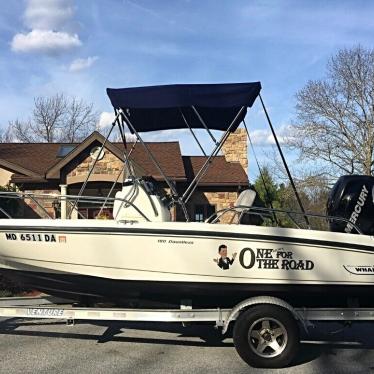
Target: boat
column 141, row 257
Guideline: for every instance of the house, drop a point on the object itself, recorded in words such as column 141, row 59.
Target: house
column 60, row 168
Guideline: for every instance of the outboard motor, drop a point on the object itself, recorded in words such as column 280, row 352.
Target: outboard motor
column 352, row 197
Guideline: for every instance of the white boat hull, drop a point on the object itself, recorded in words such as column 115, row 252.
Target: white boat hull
column 181, row 257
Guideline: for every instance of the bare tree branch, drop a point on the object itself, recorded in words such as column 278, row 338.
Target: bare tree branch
column 80, row 120
column 56, row 119
column 6, row 136
column 335, row 116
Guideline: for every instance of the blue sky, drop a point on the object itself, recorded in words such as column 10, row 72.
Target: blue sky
column 81, row 47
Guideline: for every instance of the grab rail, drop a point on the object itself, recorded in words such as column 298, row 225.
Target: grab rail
column 214, row 218
column 240, row 209
column 90, row 199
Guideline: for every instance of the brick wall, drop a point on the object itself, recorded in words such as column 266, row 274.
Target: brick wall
column 235, row 148
column 109, row 164
column 30, row 208
column 220, row 200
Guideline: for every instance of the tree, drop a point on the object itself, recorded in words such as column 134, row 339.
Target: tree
column 56, row 119
column 335, row 115
column 268, row 192
column 266, row 188
column 5, row 135
column 8, row 205
column 313, row 192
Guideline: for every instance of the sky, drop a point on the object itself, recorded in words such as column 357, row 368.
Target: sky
column 81, row 47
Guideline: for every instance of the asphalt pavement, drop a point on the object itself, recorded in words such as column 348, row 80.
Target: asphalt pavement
column 47, row 346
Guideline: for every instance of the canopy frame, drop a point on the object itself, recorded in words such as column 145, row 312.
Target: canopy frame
column 218, row 145
column 123, row 118
column 209, row 106
column 193, row 134
column 193, row 106
column 203, row 123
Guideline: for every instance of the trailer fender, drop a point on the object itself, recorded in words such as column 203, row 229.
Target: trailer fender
column 245, row 304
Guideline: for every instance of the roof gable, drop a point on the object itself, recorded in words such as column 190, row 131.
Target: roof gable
column 55, row 171
column 168, row 155
column 39, row 162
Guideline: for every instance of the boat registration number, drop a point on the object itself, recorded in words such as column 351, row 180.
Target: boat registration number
column 25, row 237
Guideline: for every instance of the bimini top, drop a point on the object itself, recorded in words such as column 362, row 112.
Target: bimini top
column 155, row 108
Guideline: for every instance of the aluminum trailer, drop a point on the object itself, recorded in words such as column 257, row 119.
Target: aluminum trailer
column 266, row 329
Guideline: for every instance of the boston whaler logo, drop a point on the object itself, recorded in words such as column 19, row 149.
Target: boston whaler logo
column 358, row 208
column 360, row 269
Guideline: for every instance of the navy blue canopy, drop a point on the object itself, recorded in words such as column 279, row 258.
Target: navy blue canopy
column 155, row 108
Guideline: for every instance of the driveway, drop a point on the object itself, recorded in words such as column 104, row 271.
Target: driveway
column 42, row 346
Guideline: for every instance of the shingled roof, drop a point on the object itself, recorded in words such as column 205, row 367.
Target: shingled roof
column 34, row 157
column 220, row 171
column 168, row 154
column 39, row 162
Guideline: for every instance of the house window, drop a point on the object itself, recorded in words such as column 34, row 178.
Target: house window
column 203, row 211
column 92, row 212
column 64, row 150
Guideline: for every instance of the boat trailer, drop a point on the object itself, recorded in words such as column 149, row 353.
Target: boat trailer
column 270, row 313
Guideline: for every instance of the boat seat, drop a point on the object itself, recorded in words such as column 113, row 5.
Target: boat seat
column 248, row 198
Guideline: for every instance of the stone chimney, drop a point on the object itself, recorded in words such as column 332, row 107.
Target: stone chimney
column 235, row 148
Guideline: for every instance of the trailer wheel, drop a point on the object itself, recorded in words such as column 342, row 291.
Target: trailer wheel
column 266, row 336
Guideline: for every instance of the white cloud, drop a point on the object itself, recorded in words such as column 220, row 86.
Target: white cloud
column 45, row 41
column 48, row 14
column 265, row 137
column 166, row 135
column 262, row 137
column 48, row 21
column 82, row 63
column 105, row 120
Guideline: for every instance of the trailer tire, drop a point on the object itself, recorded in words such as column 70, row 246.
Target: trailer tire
column 266, row 336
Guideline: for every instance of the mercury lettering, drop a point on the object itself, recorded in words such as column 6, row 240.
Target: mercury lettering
column 357, row 210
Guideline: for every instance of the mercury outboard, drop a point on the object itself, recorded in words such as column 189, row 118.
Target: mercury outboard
column 352, row 197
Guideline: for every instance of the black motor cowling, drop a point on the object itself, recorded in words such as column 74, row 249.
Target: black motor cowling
column 352, row 197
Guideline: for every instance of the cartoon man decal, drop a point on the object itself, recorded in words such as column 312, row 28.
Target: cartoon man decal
column 224, row 262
